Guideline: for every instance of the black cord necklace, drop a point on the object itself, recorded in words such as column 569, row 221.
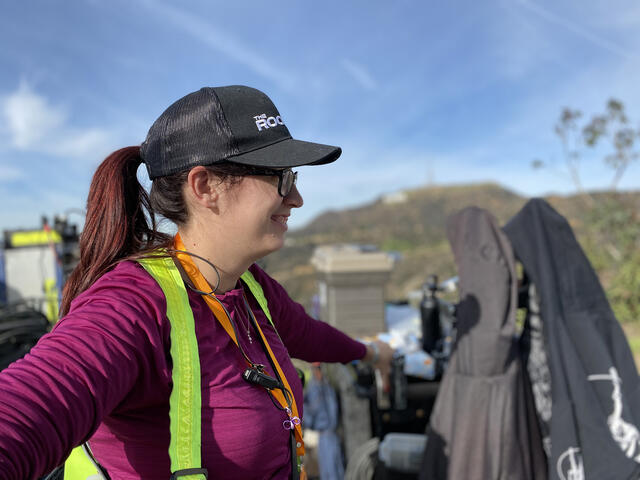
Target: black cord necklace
column 215, row 269
column 256, row 374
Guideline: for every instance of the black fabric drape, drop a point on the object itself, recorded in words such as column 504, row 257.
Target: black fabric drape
column 595, row 390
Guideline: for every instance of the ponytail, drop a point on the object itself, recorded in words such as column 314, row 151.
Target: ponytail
column 116, row 225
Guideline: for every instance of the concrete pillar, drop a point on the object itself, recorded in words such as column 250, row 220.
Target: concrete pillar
column 351, row 281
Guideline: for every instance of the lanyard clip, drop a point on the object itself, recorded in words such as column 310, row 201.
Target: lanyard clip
column 292, row 422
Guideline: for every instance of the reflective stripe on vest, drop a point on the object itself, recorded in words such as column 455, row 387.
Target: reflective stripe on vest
column 185, row 400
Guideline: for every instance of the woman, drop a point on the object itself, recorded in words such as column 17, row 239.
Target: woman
column 220, row 160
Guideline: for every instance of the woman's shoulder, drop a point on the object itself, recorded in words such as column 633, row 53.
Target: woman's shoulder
column 127, row 287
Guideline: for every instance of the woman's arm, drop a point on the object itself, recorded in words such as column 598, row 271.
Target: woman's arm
column 54, row 399
column 313, row 340
column 306, row 338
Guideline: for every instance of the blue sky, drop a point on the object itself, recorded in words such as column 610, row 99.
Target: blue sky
column 415, row 92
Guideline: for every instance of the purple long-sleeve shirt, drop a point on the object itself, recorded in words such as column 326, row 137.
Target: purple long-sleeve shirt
column 104, row 374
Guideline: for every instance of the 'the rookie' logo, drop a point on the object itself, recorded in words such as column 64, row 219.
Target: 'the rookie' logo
column 262, row 121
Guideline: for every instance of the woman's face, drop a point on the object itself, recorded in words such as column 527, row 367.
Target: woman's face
column 254, row 215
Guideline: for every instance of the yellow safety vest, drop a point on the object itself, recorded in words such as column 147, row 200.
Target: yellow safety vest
column 185, row 401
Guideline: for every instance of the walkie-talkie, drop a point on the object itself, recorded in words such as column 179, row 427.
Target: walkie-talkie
column 259, row 378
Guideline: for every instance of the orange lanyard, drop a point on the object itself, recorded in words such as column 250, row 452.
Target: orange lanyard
column 221, row 315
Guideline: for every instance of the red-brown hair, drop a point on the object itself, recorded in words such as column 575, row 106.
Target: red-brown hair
column 119, row 224
column 121, row 217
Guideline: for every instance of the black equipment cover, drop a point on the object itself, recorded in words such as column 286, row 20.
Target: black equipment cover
column 595, row 390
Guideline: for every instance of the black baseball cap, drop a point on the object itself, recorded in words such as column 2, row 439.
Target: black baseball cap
column 226, row 124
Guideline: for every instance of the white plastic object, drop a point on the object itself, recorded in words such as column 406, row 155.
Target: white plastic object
column 402, row 451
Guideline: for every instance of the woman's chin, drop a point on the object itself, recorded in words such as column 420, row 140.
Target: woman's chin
column 275, row 243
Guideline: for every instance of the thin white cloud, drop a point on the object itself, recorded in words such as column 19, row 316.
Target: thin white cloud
column 224, row 42
column 9, row 173
column 33, row 124
column 80, row 143
column 360, row 74
column 30, row 118
column 578, row 30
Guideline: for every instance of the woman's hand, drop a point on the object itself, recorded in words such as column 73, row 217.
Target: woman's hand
column 379, row 355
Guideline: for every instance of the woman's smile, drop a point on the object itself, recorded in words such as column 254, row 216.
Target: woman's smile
column 281, row 220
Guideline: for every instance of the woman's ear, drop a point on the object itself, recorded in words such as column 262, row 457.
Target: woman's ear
column 201, row 188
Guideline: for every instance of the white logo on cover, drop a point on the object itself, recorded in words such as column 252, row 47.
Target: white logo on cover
column 624, row 433
column 262, row 121
column 569, row 465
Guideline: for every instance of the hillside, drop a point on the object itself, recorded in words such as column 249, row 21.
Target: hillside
column 414, row 229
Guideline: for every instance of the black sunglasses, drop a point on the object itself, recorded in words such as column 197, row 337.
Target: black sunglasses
column 286, row 178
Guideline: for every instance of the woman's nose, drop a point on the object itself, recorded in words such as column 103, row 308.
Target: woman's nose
column 294, row 199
